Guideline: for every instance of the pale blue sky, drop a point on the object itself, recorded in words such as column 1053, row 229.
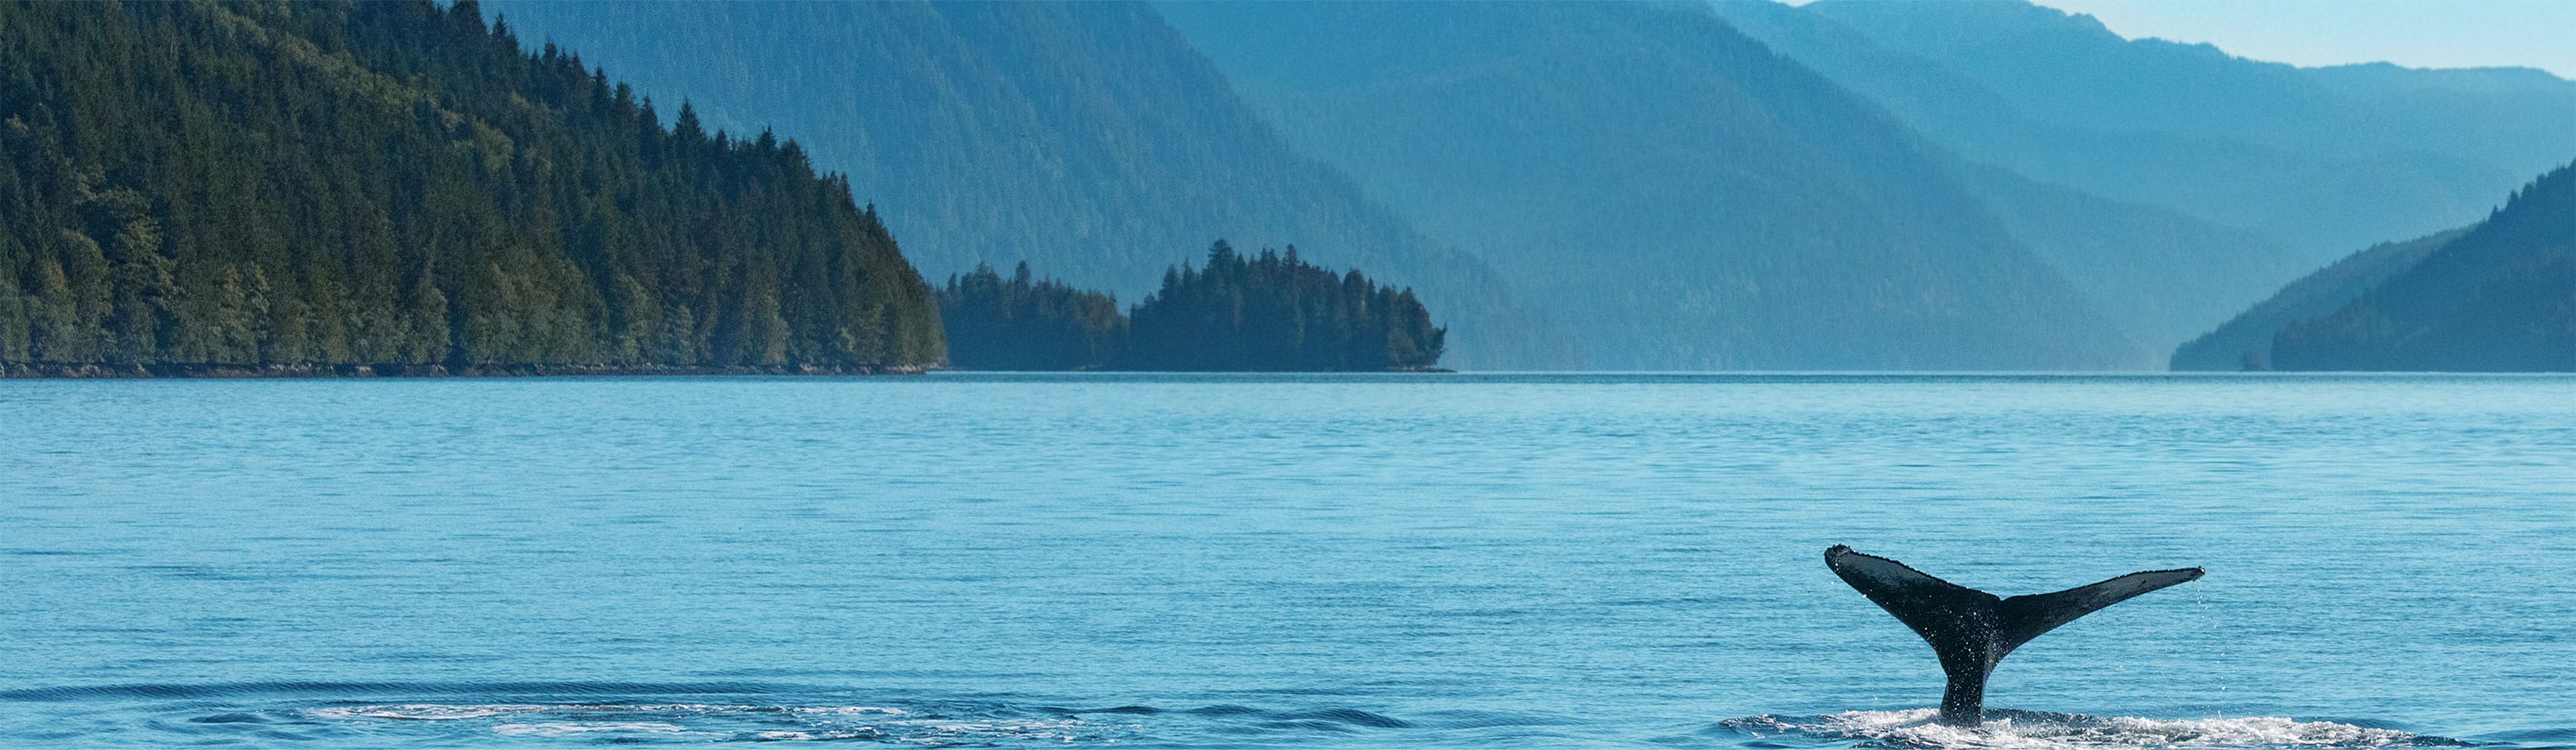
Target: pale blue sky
column 2414, row 33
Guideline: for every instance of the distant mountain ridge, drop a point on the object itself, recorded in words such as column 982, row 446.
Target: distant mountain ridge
column 2323, row 159
column 2069, row 68
column 1087, row 139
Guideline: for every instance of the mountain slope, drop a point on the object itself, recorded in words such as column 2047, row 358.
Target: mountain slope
column 2502, row 297
column 2245, row 341
column 2161, row 275
column 1686, row 196
column 1085, row 138
column 230, row 187
column 2322, row 158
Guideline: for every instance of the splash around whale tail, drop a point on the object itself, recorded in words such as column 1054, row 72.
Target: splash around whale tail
column 1972, row 630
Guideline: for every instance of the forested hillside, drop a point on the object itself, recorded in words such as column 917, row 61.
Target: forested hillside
column 1087, row 139
column 193, row 185
column 2245, row 341
column 2502, row 297
column 1688, row 198
column 2321, row 159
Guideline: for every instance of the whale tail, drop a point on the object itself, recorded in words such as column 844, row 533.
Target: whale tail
column 1972, row 630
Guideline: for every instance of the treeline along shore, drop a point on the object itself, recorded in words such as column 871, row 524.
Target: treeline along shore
column 396, row 188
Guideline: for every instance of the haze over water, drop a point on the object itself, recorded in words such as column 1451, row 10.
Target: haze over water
column 1231, row 561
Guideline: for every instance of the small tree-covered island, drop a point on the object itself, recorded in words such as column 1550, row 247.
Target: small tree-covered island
column 1269, row 312
column 400, row 188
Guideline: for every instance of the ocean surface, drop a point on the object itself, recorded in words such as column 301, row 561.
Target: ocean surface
column 1503, row 561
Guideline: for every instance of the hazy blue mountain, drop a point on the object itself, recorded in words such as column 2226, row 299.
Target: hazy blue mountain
column 2069, row 68
column 2245, row 342
column 2322, row 158
column 1087, row 139
column 2502, row 297
column 1687, row 197
column 2163, row 276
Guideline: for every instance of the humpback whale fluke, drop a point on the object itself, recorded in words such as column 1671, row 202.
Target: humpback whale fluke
column 1972, row 630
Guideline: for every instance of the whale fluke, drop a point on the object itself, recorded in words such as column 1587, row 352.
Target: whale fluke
column 1972, row 630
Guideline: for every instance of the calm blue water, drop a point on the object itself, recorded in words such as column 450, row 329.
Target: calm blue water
column 1363, row 561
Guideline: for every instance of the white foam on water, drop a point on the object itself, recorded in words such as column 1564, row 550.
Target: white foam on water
column 943, row 731
column 802, row 722
column 1917, row 728
column 849, row 710
column 446, row 712
column 423, row 711
column 561, row 728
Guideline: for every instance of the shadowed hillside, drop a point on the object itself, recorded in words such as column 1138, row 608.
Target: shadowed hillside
column 2245, row 341
column 2502, row 297
column 2496, row 296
